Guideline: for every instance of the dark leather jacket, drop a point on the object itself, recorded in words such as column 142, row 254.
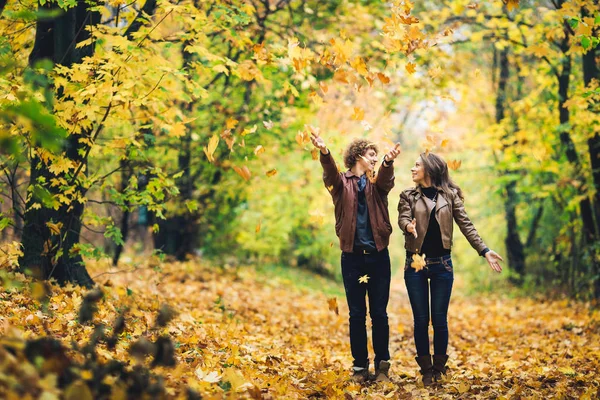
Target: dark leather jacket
column 414, row 204
column 343, row 187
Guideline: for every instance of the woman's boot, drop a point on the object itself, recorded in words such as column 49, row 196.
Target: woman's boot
column 439, row 366
column 426, row 369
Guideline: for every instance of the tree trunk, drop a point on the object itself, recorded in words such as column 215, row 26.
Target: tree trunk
column 514, row 246
column 590, row 73
column 48, row 255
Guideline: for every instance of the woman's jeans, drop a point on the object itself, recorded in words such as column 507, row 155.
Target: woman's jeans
column 438, row 276
column 377, row 266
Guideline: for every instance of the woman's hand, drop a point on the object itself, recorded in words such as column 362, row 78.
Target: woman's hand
column 493, row 259
column 412, row 227
column 393, row 153
column 317, row 141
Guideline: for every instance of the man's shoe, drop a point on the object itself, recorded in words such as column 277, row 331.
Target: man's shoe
column 359, row 375
column 382, row 373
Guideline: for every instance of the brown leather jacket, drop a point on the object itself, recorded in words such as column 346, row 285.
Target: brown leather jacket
column 414, row 204
column 343, row 187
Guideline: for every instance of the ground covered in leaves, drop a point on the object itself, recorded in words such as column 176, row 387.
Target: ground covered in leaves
column 236, row 333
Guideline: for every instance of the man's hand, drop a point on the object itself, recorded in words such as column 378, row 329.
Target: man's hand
column 393, row 153
column 412, row 227
column 493, row 259
column 317, row 141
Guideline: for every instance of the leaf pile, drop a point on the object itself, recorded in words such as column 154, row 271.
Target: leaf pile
column 236, row 333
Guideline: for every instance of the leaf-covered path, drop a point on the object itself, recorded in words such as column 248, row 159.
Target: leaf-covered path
column 241, row 334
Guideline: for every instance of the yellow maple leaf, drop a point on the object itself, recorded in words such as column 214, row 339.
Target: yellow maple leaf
column 445, row 143
column 418, row 262
column 231, row 123
column 364, row 279
column 383, row 78
column 411, row 68
column 333, row 306
column 259, row 150
column 454, row 164
column 360, row 66
column 318, row 100
column 315, row 154
column 268, row 124
column 61, row 165
column 511, row 4
column 54, row 228
column 358, row 114
column 271, row 172
column 210, row 149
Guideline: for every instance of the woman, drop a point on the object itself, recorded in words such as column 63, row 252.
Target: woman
column 363, row 226
column 426, row 214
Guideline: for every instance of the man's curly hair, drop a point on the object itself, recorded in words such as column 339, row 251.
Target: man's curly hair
column 357, row 148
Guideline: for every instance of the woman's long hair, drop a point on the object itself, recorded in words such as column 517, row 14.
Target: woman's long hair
column 437, row 170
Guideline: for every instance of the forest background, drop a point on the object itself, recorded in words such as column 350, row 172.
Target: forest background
column 142, row 133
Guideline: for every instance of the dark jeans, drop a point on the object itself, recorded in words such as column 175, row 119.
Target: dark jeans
column 377, row 267
column 437, row 276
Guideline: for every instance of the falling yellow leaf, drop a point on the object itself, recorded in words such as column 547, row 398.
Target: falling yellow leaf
column 323, row 87
column 244, row 172
column 358, row 114
column 383, row 78
column 411, row 68
column 318, row 100
column 364, row 279
column 473, row 6
column 210, row 149
column 418, row 262
column 331, row 244
column 445, row 143
column 271, row 172
column 333, row 306
column 315, row 154
column 454, row 164
column 258, row 226
column 231, row 123
column 268, row 124
column 360, row 66
column 259, row 150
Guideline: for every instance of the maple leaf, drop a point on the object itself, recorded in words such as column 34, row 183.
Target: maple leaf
column 383, row 78
column 210, row 149
column 364, row 279
column 54, row 228
column 511, row 4
column 61, row 165
column 454, row 164
column 314, row 154
column 444, row 143
column 333, row 306
column 231, row 123
column 244, row 172
column 259, row 150
column 418, row 262
column 360, row 66
column 358, row 114
column 271, row 172
column 411, row 68
column 268, row 124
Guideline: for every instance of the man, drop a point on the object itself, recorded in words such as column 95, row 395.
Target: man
column 362, row 224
